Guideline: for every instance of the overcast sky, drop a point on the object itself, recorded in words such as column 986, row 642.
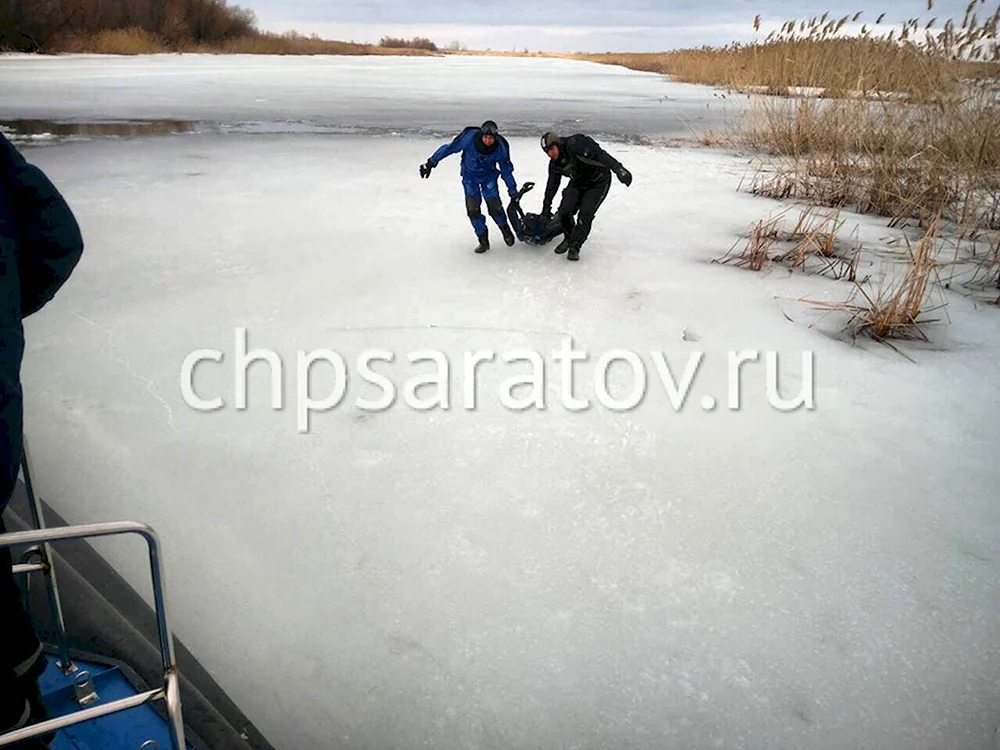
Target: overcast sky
column 566, row 25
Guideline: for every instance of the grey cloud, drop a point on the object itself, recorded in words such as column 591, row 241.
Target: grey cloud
column 564, row 26
column 580, row 12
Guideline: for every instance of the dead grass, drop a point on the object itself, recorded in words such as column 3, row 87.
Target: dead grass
column 903, row 130
column 924, row 58
column 888, row 158
column 813, row 245
column 113, row 42
column 462, row 52
column 136, row 41
column 991, row 272
column 981, row 272
column 895, row 310
column 296, row 44
column 904, row 124
column 755, row 253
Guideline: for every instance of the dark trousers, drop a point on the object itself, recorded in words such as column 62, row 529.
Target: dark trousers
column 585, row 199
column 21, row 657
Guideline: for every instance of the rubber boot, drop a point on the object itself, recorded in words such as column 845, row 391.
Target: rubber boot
column 574, row 253
column 484, row 243
column 508, row 236
column 563, row 246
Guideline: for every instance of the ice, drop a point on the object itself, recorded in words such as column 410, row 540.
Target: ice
column 486, row 578
column 422, row 95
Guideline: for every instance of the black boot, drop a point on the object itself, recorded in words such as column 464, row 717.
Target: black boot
column 39, row 713
column 508, row 236
column 484, row 243
column 563, row 246
column 36, row 713
column 574, row 253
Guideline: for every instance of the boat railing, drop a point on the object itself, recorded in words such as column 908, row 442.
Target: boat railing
column 40, row 540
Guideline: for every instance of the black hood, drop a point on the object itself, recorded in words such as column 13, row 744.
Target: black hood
column 481, row 147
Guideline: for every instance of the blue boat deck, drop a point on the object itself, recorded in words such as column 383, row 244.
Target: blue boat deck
column 124, row 656
column 134, row 728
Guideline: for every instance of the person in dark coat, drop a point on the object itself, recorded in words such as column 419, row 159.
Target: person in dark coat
column 589, row 168
column 40, row 245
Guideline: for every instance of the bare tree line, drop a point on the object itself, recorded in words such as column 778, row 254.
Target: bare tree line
column 40, row 25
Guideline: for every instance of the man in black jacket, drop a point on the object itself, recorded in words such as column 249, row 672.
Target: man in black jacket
column 589, row 169
column 40, row 245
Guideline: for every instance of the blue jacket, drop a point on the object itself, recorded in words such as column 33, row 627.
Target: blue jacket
column 479, row 163
column 40, row 245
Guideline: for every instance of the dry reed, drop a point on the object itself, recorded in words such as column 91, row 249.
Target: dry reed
column 919, row 59
column 813, row 244
column 132, row 41
column 902, row 128
column 896, row 310
column 135, row 41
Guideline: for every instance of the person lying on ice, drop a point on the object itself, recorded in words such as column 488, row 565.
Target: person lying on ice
column 589, row 168
column 483, row 151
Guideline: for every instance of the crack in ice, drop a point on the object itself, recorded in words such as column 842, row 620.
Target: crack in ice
column 150, row 385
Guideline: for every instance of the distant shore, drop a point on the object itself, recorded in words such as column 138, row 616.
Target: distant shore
column 827, row 66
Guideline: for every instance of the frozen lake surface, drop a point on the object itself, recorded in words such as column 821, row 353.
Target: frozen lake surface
column 327, row 94
column 652, row 578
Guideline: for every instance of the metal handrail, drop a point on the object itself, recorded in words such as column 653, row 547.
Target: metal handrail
column 48, row 569
column 29, row 568
column 171, row 688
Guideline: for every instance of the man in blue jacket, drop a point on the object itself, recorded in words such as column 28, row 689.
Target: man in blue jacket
column 485, row 157
column 40, row 245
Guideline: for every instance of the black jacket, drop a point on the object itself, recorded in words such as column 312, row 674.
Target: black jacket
column 40, row 245
column 583, row 161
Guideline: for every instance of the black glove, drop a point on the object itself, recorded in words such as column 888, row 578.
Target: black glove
column 425, row 169
column 625, row 176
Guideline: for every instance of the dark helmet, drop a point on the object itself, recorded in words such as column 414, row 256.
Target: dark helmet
column 548, row 139
column 489, row 128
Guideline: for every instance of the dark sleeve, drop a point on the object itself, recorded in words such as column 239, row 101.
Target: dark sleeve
column 551, row 188
column 507, row 166
column 49, row 241
column 11, row 350
column 587, row 150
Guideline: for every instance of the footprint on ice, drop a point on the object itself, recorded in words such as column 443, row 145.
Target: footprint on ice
column 634, row 300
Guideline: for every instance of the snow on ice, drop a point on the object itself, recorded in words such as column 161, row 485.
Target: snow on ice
column 824, row 577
